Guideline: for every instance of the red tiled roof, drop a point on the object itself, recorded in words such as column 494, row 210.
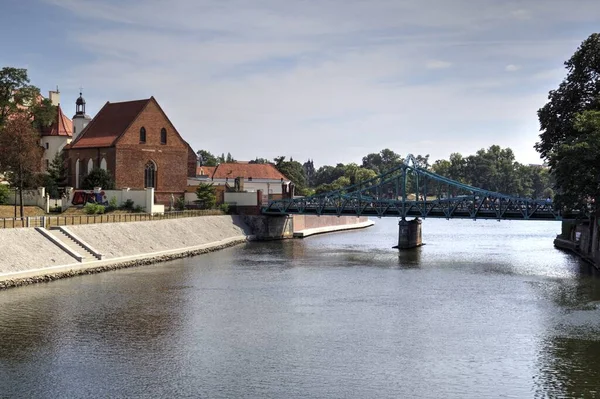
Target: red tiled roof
column 246, row 170
column 205, row 170
column 112, row 121
column 62, row 126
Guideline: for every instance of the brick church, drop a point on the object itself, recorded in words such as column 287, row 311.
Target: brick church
column 137, row 144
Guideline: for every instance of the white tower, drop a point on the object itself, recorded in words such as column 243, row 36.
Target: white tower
column 80, row 119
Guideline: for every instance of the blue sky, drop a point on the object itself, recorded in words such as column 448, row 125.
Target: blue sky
column 330, row 80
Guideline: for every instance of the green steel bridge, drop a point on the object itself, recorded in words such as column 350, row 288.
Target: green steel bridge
column 410, row 190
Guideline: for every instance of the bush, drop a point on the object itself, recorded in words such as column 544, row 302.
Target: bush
column 4, row 193
column 128, row 205
column 112, row 204
column 180, row 203
column 93, row 209
column 138, row 209
column 206, row 194
column 224, row 208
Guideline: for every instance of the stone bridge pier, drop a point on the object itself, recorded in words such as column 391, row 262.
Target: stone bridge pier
column 409, row 234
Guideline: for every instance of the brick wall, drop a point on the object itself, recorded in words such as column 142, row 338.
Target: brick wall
column 84, row 155
column 171, row 158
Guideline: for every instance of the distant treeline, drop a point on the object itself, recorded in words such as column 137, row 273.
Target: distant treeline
column 494, row 169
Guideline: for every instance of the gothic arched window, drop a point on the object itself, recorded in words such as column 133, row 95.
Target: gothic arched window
column 150, row 175
column 142, row 134
column 163, row 136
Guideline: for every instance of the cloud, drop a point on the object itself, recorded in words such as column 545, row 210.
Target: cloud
column 269, row 78
column 437, row 64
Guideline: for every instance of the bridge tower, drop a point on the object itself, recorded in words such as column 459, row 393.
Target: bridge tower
column 409, row 234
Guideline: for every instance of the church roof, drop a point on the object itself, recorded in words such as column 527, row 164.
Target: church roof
column 246, row 170
column 109, row 124
column 62, row 126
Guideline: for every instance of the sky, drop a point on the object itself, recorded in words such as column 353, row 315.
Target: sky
column 329, row 80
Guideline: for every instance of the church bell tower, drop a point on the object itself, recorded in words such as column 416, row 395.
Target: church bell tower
column 80, row 119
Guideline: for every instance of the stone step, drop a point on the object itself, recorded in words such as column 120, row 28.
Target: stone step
column 72, row 245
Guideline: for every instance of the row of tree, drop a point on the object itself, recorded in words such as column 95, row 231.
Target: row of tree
column 493, row 169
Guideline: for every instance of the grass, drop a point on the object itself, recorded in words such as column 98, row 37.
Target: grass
column 8, row 211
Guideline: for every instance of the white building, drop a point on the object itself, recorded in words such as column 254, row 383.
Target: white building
column 55, row 137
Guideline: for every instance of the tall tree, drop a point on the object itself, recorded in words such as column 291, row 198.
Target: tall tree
column 578, row 164
column 578, row 92
column 292, row 170
column 567, row 127
column 57, row 175
column 206, row 158
column 18, row 96
column 21, row 152
column 98, row 178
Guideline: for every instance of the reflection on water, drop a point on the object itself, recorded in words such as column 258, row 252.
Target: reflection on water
column 483, row 310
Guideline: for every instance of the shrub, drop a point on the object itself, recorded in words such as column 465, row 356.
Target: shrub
column 138, row 209
column 112, row 204
column 92, row 209
column 224, row 208
column 4, row 193
column 206, row 194
column 180, row 203
column 128, row 205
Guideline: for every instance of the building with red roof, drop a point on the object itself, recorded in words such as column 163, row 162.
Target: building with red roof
column 255, row 176
column 137, row 143
column 55, row 137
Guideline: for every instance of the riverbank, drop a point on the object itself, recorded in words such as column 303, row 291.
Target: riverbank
column 38, row 255
column 581, row 239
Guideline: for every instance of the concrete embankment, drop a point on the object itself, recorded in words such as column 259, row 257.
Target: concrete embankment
column 30, row 255
column 305, row 226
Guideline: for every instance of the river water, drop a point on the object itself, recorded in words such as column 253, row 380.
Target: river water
column 485, row 309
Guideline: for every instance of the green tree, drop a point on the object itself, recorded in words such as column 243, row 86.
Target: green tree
column 383, row 161
column 98, row 178
column 206, row 158
column 207, row 197
column 18, row 96
column 294, row 171
column 577, row 164
column 21, row 152
column 260, row 160
column 578, row 92
column 57, row 175
column 568, row 125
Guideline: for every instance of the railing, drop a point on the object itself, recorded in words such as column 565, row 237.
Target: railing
column 49, row 221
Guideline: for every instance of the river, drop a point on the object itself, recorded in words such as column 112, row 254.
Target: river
column 485, row 309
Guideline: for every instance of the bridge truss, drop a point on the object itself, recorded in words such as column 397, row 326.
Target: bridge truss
column 412, row 191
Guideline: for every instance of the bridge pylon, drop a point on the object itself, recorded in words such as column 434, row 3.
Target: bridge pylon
column 409, row 234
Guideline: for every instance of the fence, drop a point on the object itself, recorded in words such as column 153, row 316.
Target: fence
column 49, row 221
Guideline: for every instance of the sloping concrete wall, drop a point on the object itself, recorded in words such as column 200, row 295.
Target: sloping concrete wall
column 115, row 240
column 24, row 249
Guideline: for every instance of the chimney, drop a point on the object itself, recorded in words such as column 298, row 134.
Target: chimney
column 54, row 96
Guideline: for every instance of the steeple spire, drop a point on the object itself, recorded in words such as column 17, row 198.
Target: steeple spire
column 80, row 104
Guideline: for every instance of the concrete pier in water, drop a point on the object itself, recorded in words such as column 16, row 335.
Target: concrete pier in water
column 409, row 234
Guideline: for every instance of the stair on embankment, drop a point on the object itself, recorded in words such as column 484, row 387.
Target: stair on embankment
column 82, row 254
